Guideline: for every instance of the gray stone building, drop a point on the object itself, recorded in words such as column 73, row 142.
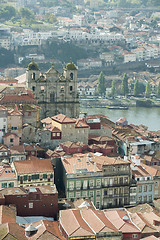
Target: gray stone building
column 56, row 93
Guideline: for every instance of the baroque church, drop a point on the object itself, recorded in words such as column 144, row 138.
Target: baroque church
column 56, row 93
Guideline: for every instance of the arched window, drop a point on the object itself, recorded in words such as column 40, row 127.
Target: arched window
column 33, row 76
column 52, row 97
column 71, row 76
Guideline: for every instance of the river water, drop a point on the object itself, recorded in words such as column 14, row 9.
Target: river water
column 149, row 117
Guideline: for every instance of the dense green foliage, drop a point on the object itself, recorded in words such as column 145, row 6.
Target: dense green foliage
column 136, row 88
column 101, row 89
column 124, row 85
column 113, row 89
column 158, row 90
column 148, row 90
column 7, row 12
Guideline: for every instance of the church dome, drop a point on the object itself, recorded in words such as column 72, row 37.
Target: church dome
column 32, row 66
column 71, row 66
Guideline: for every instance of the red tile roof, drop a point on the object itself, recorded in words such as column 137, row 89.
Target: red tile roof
column 33, row 166
column 63, row 119
column 17, row 99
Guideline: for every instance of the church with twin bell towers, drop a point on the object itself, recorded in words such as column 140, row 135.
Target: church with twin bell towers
column 55, row 92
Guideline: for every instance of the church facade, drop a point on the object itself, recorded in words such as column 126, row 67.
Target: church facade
column 56, row 93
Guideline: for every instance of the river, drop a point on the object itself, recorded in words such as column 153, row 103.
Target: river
column 149, row 117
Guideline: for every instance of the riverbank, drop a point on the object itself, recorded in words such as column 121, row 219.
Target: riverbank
column 118, row 102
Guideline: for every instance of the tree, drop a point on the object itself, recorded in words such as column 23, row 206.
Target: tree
column 148, row 90
column 26, row 13
column 101, row 89
column 124, row 85
column 158, row 90
column 113, row 89
column 136, row 88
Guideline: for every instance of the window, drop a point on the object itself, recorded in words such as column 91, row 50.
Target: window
column 145, row 198
column 84, row 194
column 71, row 76
column 156, row 184
column 126, row 180
column 110, row 192
column 70, row 88
column 52, row 97
column 11, row 140
column 111, row 181
column 135, row 235
column 145, row 188
column 116, row 181
column 140, row 199
column 91, row 194
column 44, row 176
column 33, row 88
column 150, row 188
column 71, row 185
column 71, row 195
column 78, row 184
column 85, row 184
column 78, row 194
column 121, row 180
column 150, row 198
column 105, row 192
column 30, row 205
column 11, row 184
column 33, row 76
column 3, row 185
column 97, row 205
column 98, row 193
column 91, row 183
column 98, row 182
column 139, row 189
column 105, row 181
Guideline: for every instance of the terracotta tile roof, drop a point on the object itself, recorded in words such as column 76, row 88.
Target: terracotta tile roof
column 86, row 222
column 47, row 120
column 17, row 99
column 102, row 139
column 15, row 112
column 78, row 227
column 3, row 148
column 152, row 237
column 10, row 134
column 86, row 161
column 140, row 172
column 142, row 223
column 116, row 217
column 63, row 119
column 33, row 166
column 151, row 170
column 7, row 172
column 7, row 214
column 81, row 124
column 12, row 231
column 47, row 230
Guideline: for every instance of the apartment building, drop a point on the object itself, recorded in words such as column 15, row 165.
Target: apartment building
column 34, row 171
column 106, row 181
